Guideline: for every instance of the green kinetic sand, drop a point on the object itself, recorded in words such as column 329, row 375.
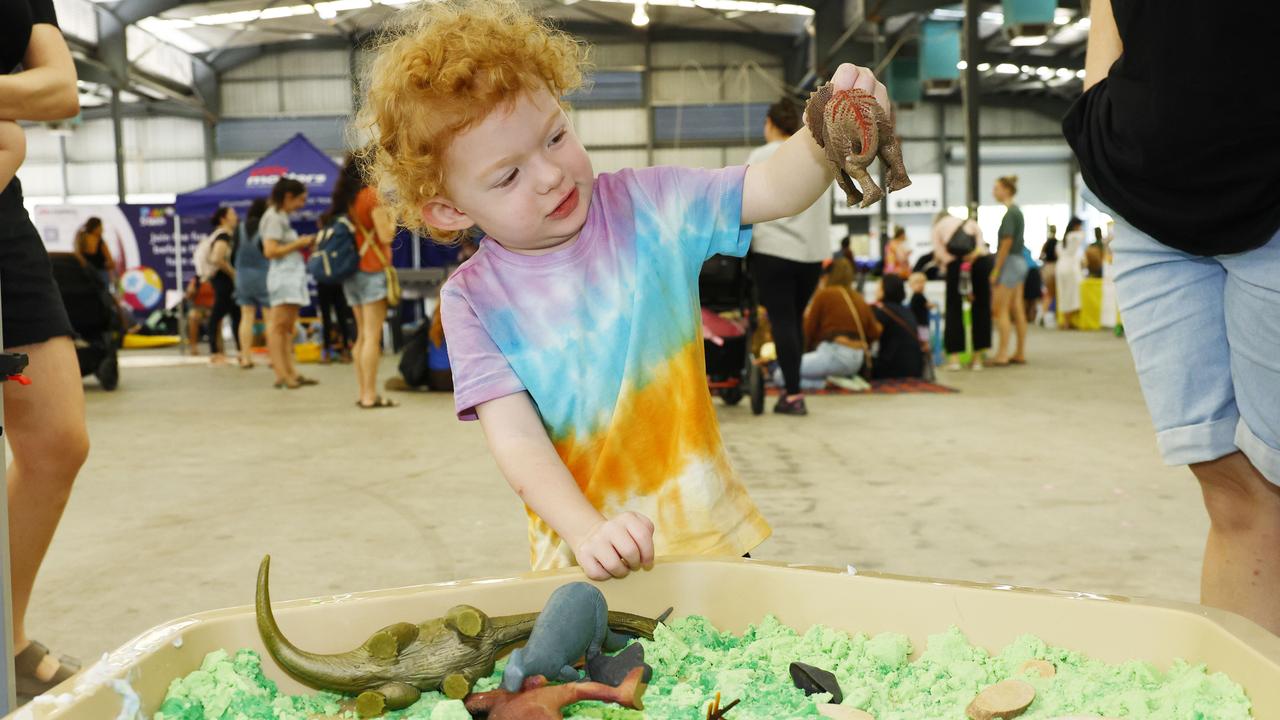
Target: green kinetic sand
column 692, row 661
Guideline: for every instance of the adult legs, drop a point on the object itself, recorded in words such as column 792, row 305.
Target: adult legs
column 1020, row 323
column 369, row 348
column 953, row 328
column 45, row 424
column 1242, row 554
column 244, row 334
column 223, row 305
column 327, row 295
column 980, row 309
column 1202, row 332
column 777, row 282
column 1001, row 305
column 280, row 324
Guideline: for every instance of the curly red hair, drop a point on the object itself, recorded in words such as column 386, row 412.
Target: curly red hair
column 439, row 70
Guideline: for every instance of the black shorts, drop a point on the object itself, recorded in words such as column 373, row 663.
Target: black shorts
column 30, row 304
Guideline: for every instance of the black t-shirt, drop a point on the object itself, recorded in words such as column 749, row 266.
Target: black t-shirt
column 920, row 309
column 900, row 354
column 16, row 19
column 1183, row 137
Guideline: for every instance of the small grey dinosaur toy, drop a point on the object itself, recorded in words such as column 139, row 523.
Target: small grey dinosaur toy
column 572, row 625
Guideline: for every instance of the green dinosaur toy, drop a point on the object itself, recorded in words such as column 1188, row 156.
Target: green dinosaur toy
column 398, row 663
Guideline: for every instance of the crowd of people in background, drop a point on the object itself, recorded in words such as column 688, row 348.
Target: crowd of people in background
column 254, row 269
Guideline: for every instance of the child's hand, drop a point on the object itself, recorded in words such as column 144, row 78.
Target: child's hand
column 849, row 76
column 617, row 546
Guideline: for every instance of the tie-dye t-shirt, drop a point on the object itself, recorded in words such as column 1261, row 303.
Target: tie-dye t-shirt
column 605, row 335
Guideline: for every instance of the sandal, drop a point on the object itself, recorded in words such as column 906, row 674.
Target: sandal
column 26, row 665
column 380, row 402
column 304, row 380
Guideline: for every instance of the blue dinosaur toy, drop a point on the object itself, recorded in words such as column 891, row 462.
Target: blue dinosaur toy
column 573, row 625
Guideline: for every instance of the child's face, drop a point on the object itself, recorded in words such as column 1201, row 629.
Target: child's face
column 916, row 284
column 521, row 174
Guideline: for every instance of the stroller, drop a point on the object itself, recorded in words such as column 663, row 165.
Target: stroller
column 94, row 317
column 728, row 325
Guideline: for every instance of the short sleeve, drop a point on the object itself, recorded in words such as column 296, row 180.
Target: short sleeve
column 705, row 205
column 480, row 371
column 43, row 12
column 1006, row 226
column 275, row 226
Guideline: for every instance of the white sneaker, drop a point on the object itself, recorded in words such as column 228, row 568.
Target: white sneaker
column 977, row 365
column 852, row 384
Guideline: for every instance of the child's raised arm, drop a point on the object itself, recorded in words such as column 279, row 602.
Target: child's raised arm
column 604, row 547
column 797, row 174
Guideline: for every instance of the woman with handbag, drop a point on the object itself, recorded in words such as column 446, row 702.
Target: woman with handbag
column 956, row 243
column 838, row 329
column 375, row 286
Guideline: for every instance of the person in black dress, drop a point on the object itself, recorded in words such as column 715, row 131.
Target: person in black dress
column 44, row 421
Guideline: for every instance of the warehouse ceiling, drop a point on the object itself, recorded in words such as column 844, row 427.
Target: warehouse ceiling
column 221, row 33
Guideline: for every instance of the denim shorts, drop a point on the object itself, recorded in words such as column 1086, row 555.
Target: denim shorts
column 365, row 287
column 288, row 286
column 1205, row 338
column 1014, row 271
column 251, row 288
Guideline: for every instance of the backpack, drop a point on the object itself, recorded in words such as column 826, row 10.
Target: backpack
column 961, row 242
column 204, row 250
column 335, row 258
column 414, row 359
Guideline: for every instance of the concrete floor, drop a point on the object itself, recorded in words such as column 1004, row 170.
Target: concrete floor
column 1044, row 476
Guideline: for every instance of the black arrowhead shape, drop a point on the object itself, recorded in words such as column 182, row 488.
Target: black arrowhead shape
column 813, row 680
column 612, row 670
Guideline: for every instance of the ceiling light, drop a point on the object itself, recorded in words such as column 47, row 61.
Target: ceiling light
column 286, row 11
column 1061, row 16
column 983, row 67
column 570, row 2
column 1044, row 72
column 747, row 6
column 962, row 65
column 1007, row 69
column 1028, row 40
column 1080, row 74
column 1065, row 73
column 326, row 13
column 1084, row 23
column 1028, row 69
column 639, row 18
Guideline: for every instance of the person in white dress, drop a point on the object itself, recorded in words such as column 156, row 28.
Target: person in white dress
column 1068, row 273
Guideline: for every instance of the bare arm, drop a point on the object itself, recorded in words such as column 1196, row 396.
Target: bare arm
column 384, row 227
column 46, row 88
column 273, row 249
column 793, row 178
column 1104, row 43
column 528, row 461
column 1006, row 242
column 220, row 257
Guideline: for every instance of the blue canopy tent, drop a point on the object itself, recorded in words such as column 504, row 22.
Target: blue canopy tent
column 296, row 158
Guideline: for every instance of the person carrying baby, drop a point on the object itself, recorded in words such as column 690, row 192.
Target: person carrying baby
column 574, row 332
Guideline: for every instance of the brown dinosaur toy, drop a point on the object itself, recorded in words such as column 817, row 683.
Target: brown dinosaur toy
column 852, row 127
column 539, row 701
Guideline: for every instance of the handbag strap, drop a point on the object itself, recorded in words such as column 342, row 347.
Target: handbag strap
column 857, row 319
column 369, row 242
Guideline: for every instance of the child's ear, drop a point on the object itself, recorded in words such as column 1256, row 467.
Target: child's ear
column 442, row 214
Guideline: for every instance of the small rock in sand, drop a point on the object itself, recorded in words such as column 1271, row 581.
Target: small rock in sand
column 843, row 712
column 1002, row 701
column 1043, row 668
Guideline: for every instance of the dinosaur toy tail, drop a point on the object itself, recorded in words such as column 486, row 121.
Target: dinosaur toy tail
column 328, row 672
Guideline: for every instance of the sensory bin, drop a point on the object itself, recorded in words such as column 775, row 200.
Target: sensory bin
column 693, row 661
